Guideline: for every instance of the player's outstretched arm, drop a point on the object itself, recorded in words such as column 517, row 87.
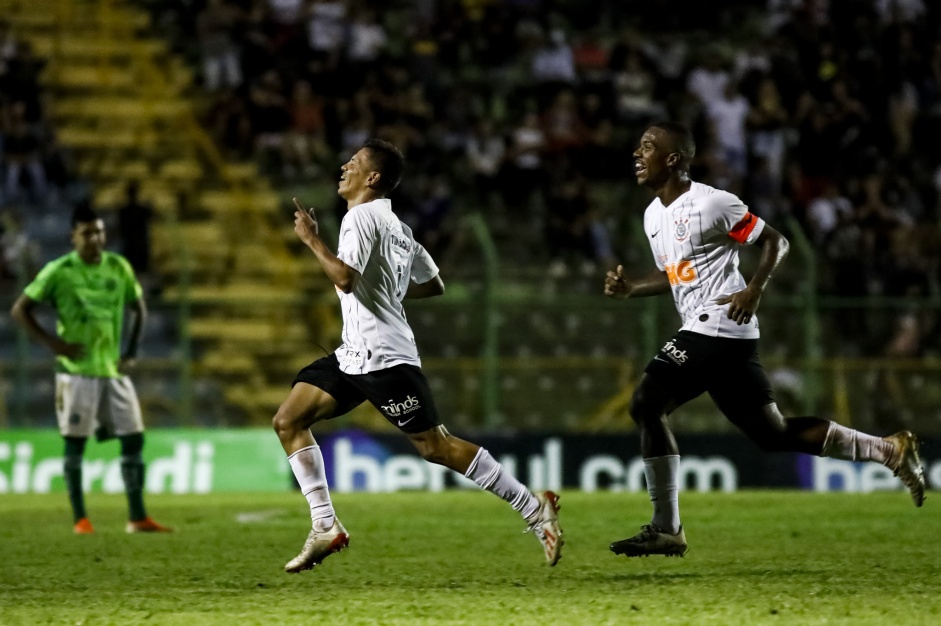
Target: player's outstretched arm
column 308, row 231
column 618, row 286
column 430, row 289
column 22, row 314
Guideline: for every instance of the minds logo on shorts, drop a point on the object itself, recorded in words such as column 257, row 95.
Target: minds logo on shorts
column 396, row 409
column 676, row 355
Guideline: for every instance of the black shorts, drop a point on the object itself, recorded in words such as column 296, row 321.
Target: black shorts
column 690, row 364
column 401, row 393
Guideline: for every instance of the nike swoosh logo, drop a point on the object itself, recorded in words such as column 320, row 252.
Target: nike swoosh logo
column 657, row 358
column 404, row 422
column 655, row 234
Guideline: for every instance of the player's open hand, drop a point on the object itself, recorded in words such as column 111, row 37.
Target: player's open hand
column 742, row 305
column 305, row 222
column 615, row 285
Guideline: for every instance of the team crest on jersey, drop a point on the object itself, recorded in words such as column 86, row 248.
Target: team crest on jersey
column 681, row 229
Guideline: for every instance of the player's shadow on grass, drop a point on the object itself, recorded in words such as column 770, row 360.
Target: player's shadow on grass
column 650, row 576
column 730, row 574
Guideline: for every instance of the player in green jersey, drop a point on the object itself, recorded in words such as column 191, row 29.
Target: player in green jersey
column 89, row 289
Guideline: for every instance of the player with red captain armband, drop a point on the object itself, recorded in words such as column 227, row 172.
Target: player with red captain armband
column 695, row 232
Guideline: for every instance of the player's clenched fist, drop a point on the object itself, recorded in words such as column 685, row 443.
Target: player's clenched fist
column 615, row 285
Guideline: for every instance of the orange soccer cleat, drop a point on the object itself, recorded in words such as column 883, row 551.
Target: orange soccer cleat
column 83, row 527
column 146, row 525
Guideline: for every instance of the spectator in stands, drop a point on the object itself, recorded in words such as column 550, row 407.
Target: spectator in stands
column 562, row 124
column 366, row 40
column 134, row 218
column 827, row 212
column 231, row 127
column 900, row 11
column 19, row 256
column 634, row 87
column 327, row 30
column 727, row 115
column 553, row 65
column 707, row 80
column 767, row 123
column 221, row 63
column 22, row 153
column 270, row 120
column 306, row 149
column 7, row 45
column 574, row 235
column 524, row 172
column 485, row 153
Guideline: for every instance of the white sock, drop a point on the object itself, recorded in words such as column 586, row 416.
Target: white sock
column 486, row 472
column 663, row 487
column 307, row 465
column 851, row 445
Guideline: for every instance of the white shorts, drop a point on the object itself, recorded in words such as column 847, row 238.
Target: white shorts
column 105, row 407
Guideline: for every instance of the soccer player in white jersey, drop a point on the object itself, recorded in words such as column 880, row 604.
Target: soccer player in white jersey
column 695, row 232
column 378, row 264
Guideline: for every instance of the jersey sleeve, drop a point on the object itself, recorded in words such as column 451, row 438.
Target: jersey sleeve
column 423, row 266
column 357, row 238
column 42, row 288
column 132, row 287
column 726, row 215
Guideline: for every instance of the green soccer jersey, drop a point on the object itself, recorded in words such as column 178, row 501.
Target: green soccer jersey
column 89, row 302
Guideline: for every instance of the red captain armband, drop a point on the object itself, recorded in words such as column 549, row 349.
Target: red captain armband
column 742, row 230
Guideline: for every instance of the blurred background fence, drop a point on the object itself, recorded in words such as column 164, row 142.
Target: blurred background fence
column 191, row 125
column 521, row 355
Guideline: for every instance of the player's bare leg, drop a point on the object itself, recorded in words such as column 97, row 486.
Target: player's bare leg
column 541, row 511
column 305, row 405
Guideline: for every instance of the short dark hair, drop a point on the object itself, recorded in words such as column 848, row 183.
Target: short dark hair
column 683, row 141
column 83, row 213
column 388, row 160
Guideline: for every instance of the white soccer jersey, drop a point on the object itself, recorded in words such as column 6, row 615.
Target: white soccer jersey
column 695, row 241
column 376, row 334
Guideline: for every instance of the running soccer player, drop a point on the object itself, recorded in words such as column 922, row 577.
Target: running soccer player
column 89, row 289
column 695, row 232
column 378, row 264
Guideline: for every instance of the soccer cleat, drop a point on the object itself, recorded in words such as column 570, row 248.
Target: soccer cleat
column 546, row 526
column 83, row 527
column 652, row 540
column 319, row 545
column 146, row 525
column 909, row 467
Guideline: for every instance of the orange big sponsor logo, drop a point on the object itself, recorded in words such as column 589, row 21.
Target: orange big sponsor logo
column 682, row 272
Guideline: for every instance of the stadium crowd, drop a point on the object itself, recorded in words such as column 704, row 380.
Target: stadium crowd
column 32, row 166
column 528, row 110
column 821, row 111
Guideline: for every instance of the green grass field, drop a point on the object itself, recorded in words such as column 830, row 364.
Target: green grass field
column 460, row 558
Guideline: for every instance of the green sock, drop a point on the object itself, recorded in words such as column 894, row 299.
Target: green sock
column 132, row 470
column 72, row 468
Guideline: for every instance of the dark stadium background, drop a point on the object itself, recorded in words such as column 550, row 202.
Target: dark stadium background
column 190, row 125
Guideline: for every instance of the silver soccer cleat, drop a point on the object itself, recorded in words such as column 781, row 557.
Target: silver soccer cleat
column 652, row 540
column 546, row 526
column 909, row 467
column 319, row 545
